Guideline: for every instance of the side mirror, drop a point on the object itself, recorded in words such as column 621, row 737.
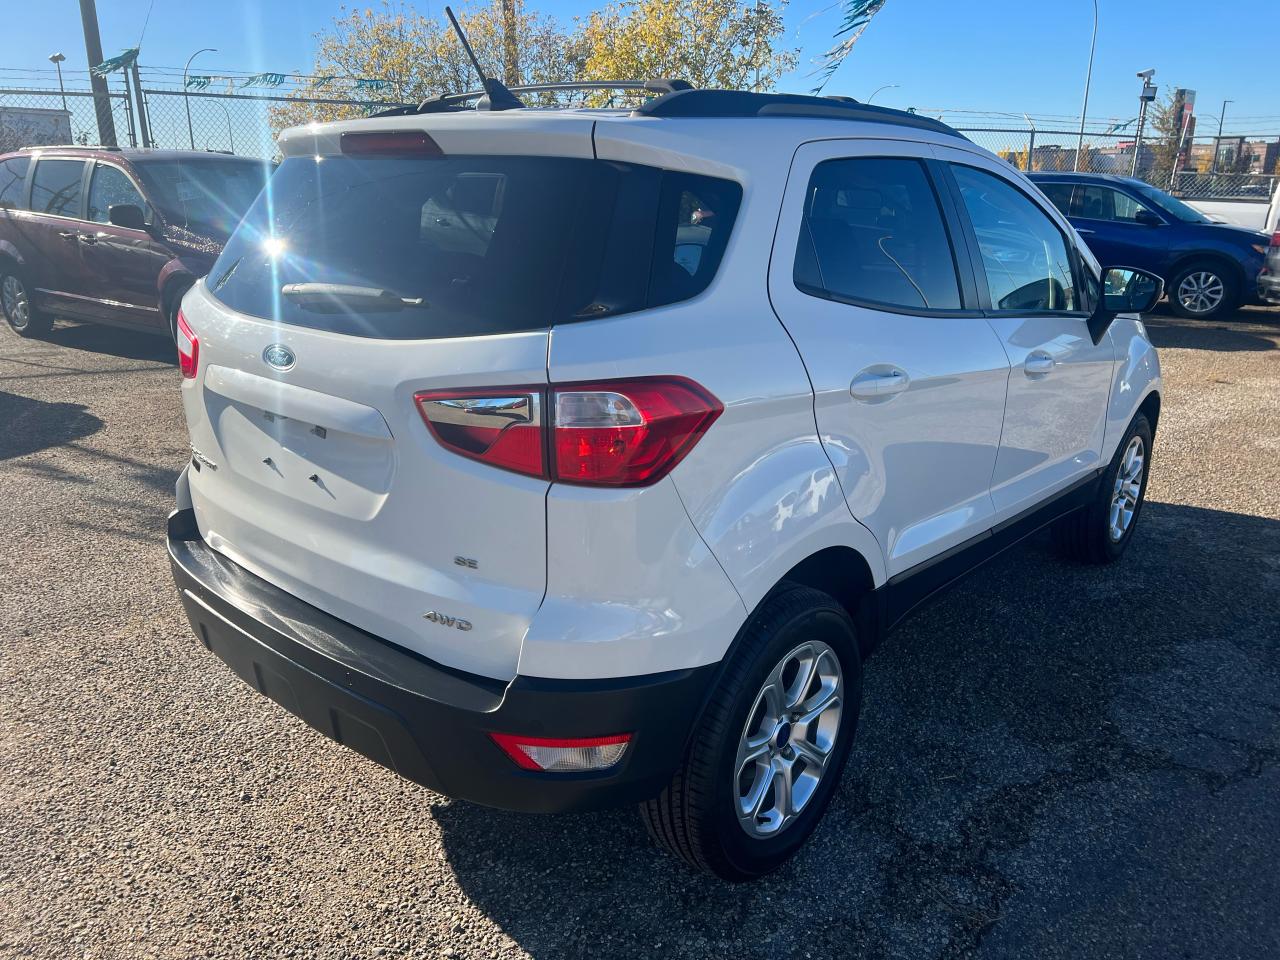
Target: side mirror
column 1147, row 218
column 1124, row 290
column 127, row 215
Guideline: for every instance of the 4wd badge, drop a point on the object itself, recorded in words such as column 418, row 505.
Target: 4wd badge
column 445, row 621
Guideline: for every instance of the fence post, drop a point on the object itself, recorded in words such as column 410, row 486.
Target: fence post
column 1031, row 150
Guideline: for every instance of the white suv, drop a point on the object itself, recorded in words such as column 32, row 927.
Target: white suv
column 560, row 459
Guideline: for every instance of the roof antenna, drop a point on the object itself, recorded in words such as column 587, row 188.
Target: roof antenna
column 497, row 96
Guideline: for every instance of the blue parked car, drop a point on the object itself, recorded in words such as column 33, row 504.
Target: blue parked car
column 1208, row 268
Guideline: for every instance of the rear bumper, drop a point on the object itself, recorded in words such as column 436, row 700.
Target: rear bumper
column 427, row 722
column 1269, row 286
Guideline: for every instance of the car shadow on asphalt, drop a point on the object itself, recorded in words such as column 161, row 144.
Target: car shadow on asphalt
column 1248, row 330
column 1038, row 732
column 113, row 341
column 34, row 425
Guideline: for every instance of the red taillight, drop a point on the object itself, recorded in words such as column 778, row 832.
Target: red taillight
column 563, row 754
column 1275, row 239
column 501, row 427
column 416, row 143
column 627, row 433
column 618, row 433
column 188, row 348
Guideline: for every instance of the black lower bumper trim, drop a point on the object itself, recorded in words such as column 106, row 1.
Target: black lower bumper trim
column 428, row 722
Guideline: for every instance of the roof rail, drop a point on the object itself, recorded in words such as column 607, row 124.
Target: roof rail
column 743, row 103
column 71, row 146
column 447, row 102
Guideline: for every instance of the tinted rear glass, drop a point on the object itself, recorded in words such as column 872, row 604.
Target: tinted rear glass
column 56, row 188
column 470, row 245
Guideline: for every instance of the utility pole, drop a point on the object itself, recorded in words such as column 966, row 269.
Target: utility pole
column 93, row 49
column 1217, row 141
column 144, row 123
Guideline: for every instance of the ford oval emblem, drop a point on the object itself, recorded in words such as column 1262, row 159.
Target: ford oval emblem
column 279, row 356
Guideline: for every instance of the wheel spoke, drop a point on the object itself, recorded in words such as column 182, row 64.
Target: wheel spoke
column 754, row 801
column 812, row 753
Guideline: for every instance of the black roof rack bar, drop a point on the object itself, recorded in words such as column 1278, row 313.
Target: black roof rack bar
column 458, row 101
column 706, row 104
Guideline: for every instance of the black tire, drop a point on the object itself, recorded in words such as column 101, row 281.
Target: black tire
column 1210, row 273
column 172, row 301
column 695, row 816
column 15, row 303
column 1087, row 535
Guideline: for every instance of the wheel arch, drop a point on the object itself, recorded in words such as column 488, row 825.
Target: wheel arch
column 843, row 574
column 1217, row 257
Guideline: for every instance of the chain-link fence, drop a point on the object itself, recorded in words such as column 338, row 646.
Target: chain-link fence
column 1250, row 172
column 247, row 122
column 32, row 116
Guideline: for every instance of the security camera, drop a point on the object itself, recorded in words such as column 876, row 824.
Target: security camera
column 1147, row 74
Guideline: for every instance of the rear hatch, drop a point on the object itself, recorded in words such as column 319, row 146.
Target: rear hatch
column 368, row 273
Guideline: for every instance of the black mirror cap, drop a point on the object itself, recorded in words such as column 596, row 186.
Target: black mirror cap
column 1147, row 218
column 1123, row 290
column 127, row 215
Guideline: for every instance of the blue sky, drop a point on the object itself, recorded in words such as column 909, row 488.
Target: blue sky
column 1004, row 55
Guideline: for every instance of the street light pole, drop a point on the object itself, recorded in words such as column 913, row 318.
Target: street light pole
column 187, row 100
column 56, row 59
column 1217, row 142
column 887, row 86
column 1088, row 79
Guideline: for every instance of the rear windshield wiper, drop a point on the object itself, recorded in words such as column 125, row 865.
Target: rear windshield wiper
column 339, row 297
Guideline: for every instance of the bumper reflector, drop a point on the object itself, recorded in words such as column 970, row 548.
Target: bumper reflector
column 561, row 754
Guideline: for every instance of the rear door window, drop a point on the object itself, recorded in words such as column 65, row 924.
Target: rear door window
column 414, row 248
column 873, row 233
column 56, row 188
column 1059, row 193
column 13, row 178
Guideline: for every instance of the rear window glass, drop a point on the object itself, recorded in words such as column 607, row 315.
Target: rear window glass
column 56, row 188
column 416, row 248
column 13, row 176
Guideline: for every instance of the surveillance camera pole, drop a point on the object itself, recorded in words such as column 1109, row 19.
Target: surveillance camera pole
column 1088, row 79
column 1144, row 98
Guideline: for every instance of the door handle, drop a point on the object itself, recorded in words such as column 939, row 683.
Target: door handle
column 1038, row 364
column 87, row 238
column 880, row 382
column 68, row 234
column 1083, row 230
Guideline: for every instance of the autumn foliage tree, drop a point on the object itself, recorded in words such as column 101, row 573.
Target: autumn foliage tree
column 710, row 43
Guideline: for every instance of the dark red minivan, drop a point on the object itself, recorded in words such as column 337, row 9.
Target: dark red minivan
column 114, row 235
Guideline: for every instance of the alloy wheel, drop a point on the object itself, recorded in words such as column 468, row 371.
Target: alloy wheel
column 1128, row 487
column 788, row 739
column 1201, row 292
column 17, row 308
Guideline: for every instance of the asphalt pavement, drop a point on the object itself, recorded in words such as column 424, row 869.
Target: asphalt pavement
column 1053, row 761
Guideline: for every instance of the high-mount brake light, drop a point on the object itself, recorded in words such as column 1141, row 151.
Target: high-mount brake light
column 611, row 433
column 188, row 348
column 415, row 143
column 563, row 754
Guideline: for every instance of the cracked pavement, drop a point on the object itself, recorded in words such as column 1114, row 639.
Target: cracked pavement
column 1053, row 760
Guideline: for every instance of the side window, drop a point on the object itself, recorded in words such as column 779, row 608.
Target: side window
column 56, row 188
column 873, row 232
column 695, row 216
column 1024, row 254
column 1104, row 203
column 1059, row 194
column 111, row 186
column 13, row 176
